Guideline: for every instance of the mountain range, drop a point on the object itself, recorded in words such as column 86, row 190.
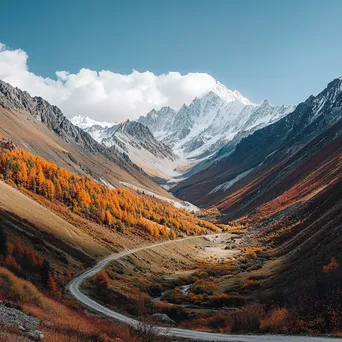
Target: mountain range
column 262, row 150
column 191, row 138
column 135, row 140
column 41, row 128
column 209, row 122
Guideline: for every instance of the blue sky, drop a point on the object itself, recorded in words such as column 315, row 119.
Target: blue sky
column 280, row 50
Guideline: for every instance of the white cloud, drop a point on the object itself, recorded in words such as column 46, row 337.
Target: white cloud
column 104, row 95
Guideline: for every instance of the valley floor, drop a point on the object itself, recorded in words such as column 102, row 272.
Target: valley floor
column 74, row 288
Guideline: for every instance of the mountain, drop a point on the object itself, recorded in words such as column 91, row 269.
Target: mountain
column 295, row 205
column 257, row 170
column 217, row 118
column 198, row 134
column 85, row 122
column 135, row 140
column 41, row 128
column 92, row 127
column 229, row 95
column 283, row 184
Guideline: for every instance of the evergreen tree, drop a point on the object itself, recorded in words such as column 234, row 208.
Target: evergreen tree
column 3, row 240
column 45, row 271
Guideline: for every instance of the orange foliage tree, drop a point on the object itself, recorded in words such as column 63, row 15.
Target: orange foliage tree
column 85, row 196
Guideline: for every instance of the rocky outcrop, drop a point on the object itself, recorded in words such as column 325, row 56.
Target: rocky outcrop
column 26, row 325
column 163, row 318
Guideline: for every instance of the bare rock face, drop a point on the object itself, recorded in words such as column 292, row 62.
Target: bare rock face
column 12, row 98
column 139, row 136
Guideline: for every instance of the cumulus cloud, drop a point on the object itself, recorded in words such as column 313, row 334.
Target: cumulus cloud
column 104, row 95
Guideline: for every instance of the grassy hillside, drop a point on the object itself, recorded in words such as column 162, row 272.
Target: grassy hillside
column 29, row 133
column 55, row 223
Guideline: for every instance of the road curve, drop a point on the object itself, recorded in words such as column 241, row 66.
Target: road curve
column 74, row 288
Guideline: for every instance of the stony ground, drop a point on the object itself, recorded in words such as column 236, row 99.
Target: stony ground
column 14, row 320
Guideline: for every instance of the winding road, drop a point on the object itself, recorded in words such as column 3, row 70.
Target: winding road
column 74, row 288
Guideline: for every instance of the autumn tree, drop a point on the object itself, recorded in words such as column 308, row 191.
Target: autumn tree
column 102, row 279
column 50, row 189
column 331, row 267
column 96, row 201
column 40, row 178
column 51, row 283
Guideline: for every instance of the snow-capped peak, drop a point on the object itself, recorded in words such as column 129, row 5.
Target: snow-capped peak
column 84, row 122
column 229, row 95
column 264, row 103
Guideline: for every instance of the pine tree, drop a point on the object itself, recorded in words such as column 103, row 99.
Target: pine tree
column 50, row 189
column 40, row 178
column 120, row 227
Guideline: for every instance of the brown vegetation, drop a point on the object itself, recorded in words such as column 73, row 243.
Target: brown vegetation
column 58, row 322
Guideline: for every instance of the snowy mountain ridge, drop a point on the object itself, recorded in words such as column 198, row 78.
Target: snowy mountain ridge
column 209, row 122
column 135, row 140
column 85, row 122
column 229, row 95
column 171, row 141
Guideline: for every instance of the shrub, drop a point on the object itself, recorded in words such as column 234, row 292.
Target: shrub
column 218, row 322
column 155, row 290
column 200, row 289
column 221, row 299
column 275, row 322
column 16, row 289
column 250, row 284
column 102, row 279
column 331, row 267
column 247, row 319
column 234, row 299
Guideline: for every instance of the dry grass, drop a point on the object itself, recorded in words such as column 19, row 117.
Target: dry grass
column 14, row 201
column 59, row 323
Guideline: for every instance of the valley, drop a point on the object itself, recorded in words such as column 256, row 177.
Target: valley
column 87, row 229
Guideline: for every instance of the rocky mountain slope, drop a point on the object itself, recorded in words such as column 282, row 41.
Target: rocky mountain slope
column 214, row 122
column 135, row 140
column 284, row 182
column 240, row 182
column 33, row 123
